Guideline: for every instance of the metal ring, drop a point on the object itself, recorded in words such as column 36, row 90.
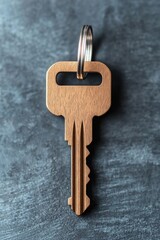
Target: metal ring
column 85, row 47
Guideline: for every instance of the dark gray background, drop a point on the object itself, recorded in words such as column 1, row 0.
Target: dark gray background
column 125, row 153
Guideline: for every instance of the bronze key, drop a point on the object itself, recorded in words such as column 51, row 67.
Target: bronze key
column 78, row 105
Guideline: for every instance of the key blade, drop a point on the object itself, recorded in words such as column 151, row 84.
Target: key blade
column 79, row 200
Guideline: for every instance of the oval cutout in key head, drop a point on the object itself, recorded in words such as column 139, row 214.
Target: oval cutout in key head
column 90, row 100
column 70, row 79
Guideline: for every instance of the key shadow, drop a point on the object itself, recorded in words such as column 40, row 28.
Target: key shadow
column 98, row 122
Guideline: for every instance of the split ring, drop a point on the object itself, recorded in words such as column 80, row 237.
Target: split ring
column 85, row 48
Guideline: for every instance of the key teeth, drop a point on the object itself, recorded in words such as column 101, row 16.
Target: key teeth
column 87, row 168
column 87, row 152
column 87, row 173
column 87, row 179
column 87, row 202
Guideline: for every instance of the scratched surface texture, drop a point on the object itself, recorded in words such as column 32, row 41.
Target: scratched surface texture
column 125, row 153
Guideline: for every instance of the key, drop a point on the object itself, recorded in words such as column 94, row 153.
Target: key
column 78, row 105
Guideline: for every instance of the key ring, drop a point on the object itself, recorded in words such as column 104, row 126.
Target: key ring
column 85, row 47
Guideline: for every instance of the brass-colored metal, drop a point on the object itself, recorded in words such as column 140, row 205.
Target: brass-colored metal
column 78, row 105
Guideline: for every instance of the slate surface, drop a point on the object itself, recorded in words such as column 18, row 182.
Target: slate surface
column 125, row 153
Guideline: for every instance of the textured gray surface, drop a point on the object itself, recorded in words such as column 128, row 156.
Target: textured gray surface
column 125, row 154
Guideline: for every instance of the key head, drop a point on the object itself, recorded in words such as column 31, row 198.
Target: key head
column 80, row 101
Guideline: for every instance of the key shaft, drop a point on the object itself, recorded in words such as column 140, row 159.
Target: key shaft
column 79, row 200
